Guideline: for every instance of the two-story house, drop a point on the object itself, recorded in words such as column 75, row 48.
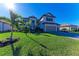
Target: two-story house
column 47, row 23
column 33, row 20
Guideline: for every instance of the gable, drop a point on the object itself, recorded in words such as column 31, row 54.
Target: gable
column 47, row 18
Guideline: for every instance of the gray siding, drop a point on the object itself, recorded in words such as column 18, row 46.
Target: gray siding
column 4, row 27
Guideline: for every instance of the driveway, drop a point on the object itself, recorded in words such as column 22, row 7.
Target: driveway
column 67, row 34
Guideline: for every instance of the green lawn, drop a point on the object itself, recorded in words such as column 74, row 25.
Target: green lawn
column 40, row 44
column 76, row 32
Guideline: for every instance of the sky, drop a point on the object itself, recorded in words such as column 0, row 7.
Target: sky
column 66, row 13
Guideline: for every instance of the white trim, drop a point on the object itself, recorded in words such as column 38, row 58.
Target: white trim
column 52, row 26
column 45, row 27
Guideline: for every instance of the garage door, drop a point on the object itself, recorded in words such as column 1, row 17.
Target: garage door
column 51, row 28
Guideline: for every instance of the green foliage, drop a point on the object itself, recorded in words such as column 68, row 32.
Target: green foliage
column 18, row 20
column 25, row 26
column 64, row 29
column 5, row 18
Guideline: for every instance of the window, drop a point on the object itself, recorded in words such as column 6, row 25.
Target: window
column 33, row 21
column 49, row 19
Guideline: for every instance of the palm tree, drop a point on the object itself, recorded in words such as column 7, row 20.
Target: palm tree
column 17, row 19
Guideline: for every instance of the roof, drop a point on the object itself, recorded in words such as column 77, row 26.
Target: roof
column 67, row 25
column 25, row 19
column 49, row 15
column 31, row 17
column 5, row 22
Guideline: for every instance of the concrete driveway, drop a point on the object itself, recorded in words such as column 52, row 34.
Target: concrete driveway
column 67, row 34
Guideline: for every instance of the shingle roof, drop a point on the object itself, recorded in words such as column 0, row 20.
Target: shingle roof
column 5, row 22
column 67, row 25
column 49, row 15
column 31, row 17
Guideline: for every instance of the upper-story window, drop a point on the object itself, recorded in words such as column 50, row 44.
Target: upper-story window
column 33, row 21
column 49, row 19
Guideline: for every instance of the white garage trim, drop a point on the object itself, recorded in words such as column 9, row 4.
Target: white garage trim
column 51, row 25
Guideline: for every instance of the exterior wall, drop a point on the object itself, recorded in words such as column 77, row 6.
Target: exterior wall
column 41, row 26
column 4, row 27
column 58, row 26
column 48, row 21
column 33, row 23
column 7, row 27
column 51, row 27
column 68, row 28
column 44, row 19
column 73, row 27
column 0, row 26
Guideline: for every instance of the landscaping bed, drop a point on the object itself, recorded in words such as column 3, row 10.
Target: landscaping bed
column 8, row 42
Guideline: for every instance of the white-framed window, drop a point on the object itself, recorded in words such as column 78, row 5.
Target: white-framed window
column 49, row 19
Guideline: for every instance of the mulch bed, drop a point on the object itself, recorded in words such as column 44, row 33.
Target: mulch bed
column 8, row 42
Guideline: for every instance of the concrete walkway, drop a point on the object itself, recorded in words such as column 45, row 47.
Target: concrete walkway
column 74, row 38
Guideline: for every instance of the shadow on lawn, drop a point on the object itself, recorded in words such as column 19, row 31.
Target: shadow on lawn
column 17, row 51
column 38, row 42
column 30, row 52
column 41, row 52
column 47, row 35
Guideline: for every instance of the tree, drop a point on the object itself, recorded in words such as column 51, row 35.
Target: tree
column 17, row 20
column 26, row 23
column 5, row 18
column 64, row 29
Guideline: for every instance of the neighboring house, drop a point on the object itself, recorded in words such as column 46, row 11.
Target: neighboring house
column 47, row 23
column 4, row 26
column 25, row 21
column 78, row 28
column 33, row 20
column 68, row 27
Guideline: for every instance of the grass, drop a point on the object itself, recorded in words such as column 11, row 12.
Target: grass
column 40, row 44
column 76, row 32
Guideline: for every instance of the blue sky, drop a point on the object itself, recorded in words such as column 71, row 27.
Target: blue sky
column 64, row 12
